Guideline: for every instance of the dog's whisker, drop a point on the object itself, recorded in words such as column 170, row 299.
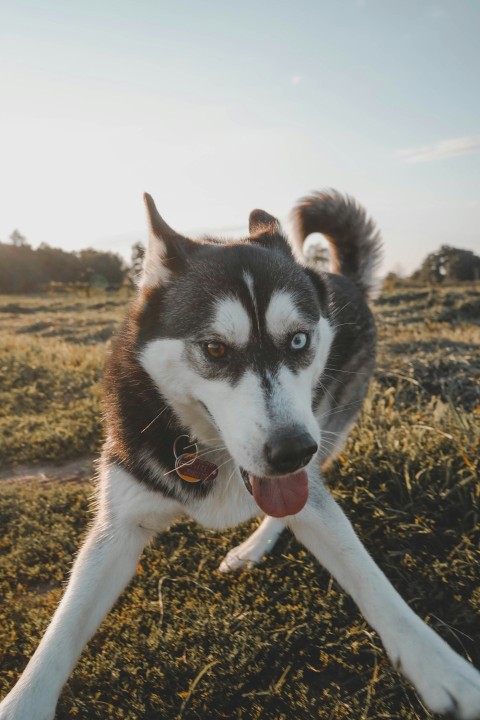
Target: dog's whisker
column 340, row 409
column 207, row 451
column 337, row 311
column 231, row 476
column 347, row 372
column 325, row 390
column 154, row 420
column 225, row 463
column 339, row 325
column 334, row 379
column 328, row 443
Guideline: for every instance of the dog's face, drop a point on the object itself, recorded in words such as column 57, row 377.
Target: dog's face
column 237, row 339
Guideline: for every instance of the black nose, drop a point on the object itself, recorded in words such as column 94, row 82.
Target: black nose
column 288, row 451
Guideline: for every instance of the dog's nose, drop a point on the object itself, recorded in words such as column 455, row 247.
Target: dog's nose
column 288, row 451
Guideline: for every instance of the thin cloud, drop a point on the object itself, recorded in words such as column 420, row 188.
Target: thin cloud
column 296, row 79
column 454, row 147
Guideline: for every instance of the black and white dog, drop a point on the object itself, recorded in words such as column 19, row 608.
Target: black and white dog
column 235, row 377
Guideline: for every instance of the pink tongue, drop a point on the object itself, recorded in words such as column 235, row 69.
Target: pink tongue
column 280, row 496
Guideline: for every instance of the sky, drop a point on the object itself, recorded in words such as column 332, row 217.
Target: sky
column 217, row 107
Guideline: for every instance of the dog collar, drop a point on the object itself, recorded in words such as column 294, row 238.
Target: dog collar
column 188, row 465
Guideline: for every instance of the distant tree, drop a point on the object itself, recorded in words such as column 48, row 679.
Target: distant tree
column 136, row 263
column 18, row 270
column 449, row 264
column 58, row 265
column 106, row 264
column 18, row 240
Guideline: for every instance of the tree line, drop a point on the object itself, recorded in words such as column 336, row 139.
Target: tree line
column 24, row 269
column 445, row 265
column 448, row 264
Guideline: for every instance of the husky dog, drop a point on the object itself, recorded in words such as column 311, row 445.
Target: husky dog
column 234, row 379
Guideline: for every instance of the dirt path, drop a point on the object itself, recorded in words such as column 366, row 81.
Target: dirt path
column 74, row 471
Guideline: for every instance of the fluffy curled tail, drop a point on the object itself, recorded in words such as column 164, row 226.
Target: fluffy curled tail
column 354, row 241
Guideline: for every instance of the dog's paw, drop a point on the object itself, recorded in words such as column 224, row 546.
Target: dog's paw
column 242, row 557
column 447, row 684
column 451, row 688
column 252, row 550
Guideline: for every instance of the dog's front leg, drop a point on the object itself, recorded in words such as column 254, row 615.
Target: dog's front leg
column 104, row 566
column 446, row 682
column 252, row 550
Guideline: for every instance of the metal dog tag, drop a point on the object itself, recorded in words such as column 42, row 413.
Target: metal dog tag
column 192, row 469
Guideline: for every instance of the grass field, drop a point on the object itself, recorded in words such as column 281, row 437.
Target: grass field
column 282, row 641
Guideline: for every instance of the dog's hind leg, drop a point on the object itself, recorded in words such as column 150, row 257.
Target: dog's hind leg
column 104, row 566
column 446, row 682
column 257, row 545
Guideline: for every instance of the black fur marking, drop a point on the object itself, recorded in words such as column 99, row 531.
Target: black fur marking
column 140, row 421
column 266, row 380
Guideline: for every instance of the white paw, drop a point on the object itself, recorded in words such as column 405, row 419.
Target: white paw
column 242, row 557
column 252, row 550
column 446, row 682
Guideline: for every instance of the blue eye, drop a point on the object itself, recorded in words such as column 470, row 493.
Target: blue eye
column 299, row 341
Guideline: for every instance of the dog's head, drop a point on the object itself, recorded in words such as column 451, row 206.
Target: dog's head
column 235, row 336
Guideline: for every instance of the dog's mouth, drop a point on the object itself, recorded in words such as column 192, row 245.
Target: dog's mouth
column 278, row 496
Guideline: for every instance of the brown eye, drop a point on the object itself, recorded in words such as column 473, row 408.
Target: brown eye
column 216, row 349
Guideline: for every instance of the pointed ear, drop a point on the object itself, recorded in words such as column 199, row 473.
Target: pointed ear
column 158, row 226
column 166, row 250
column 266, row 230
column 261, row 222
